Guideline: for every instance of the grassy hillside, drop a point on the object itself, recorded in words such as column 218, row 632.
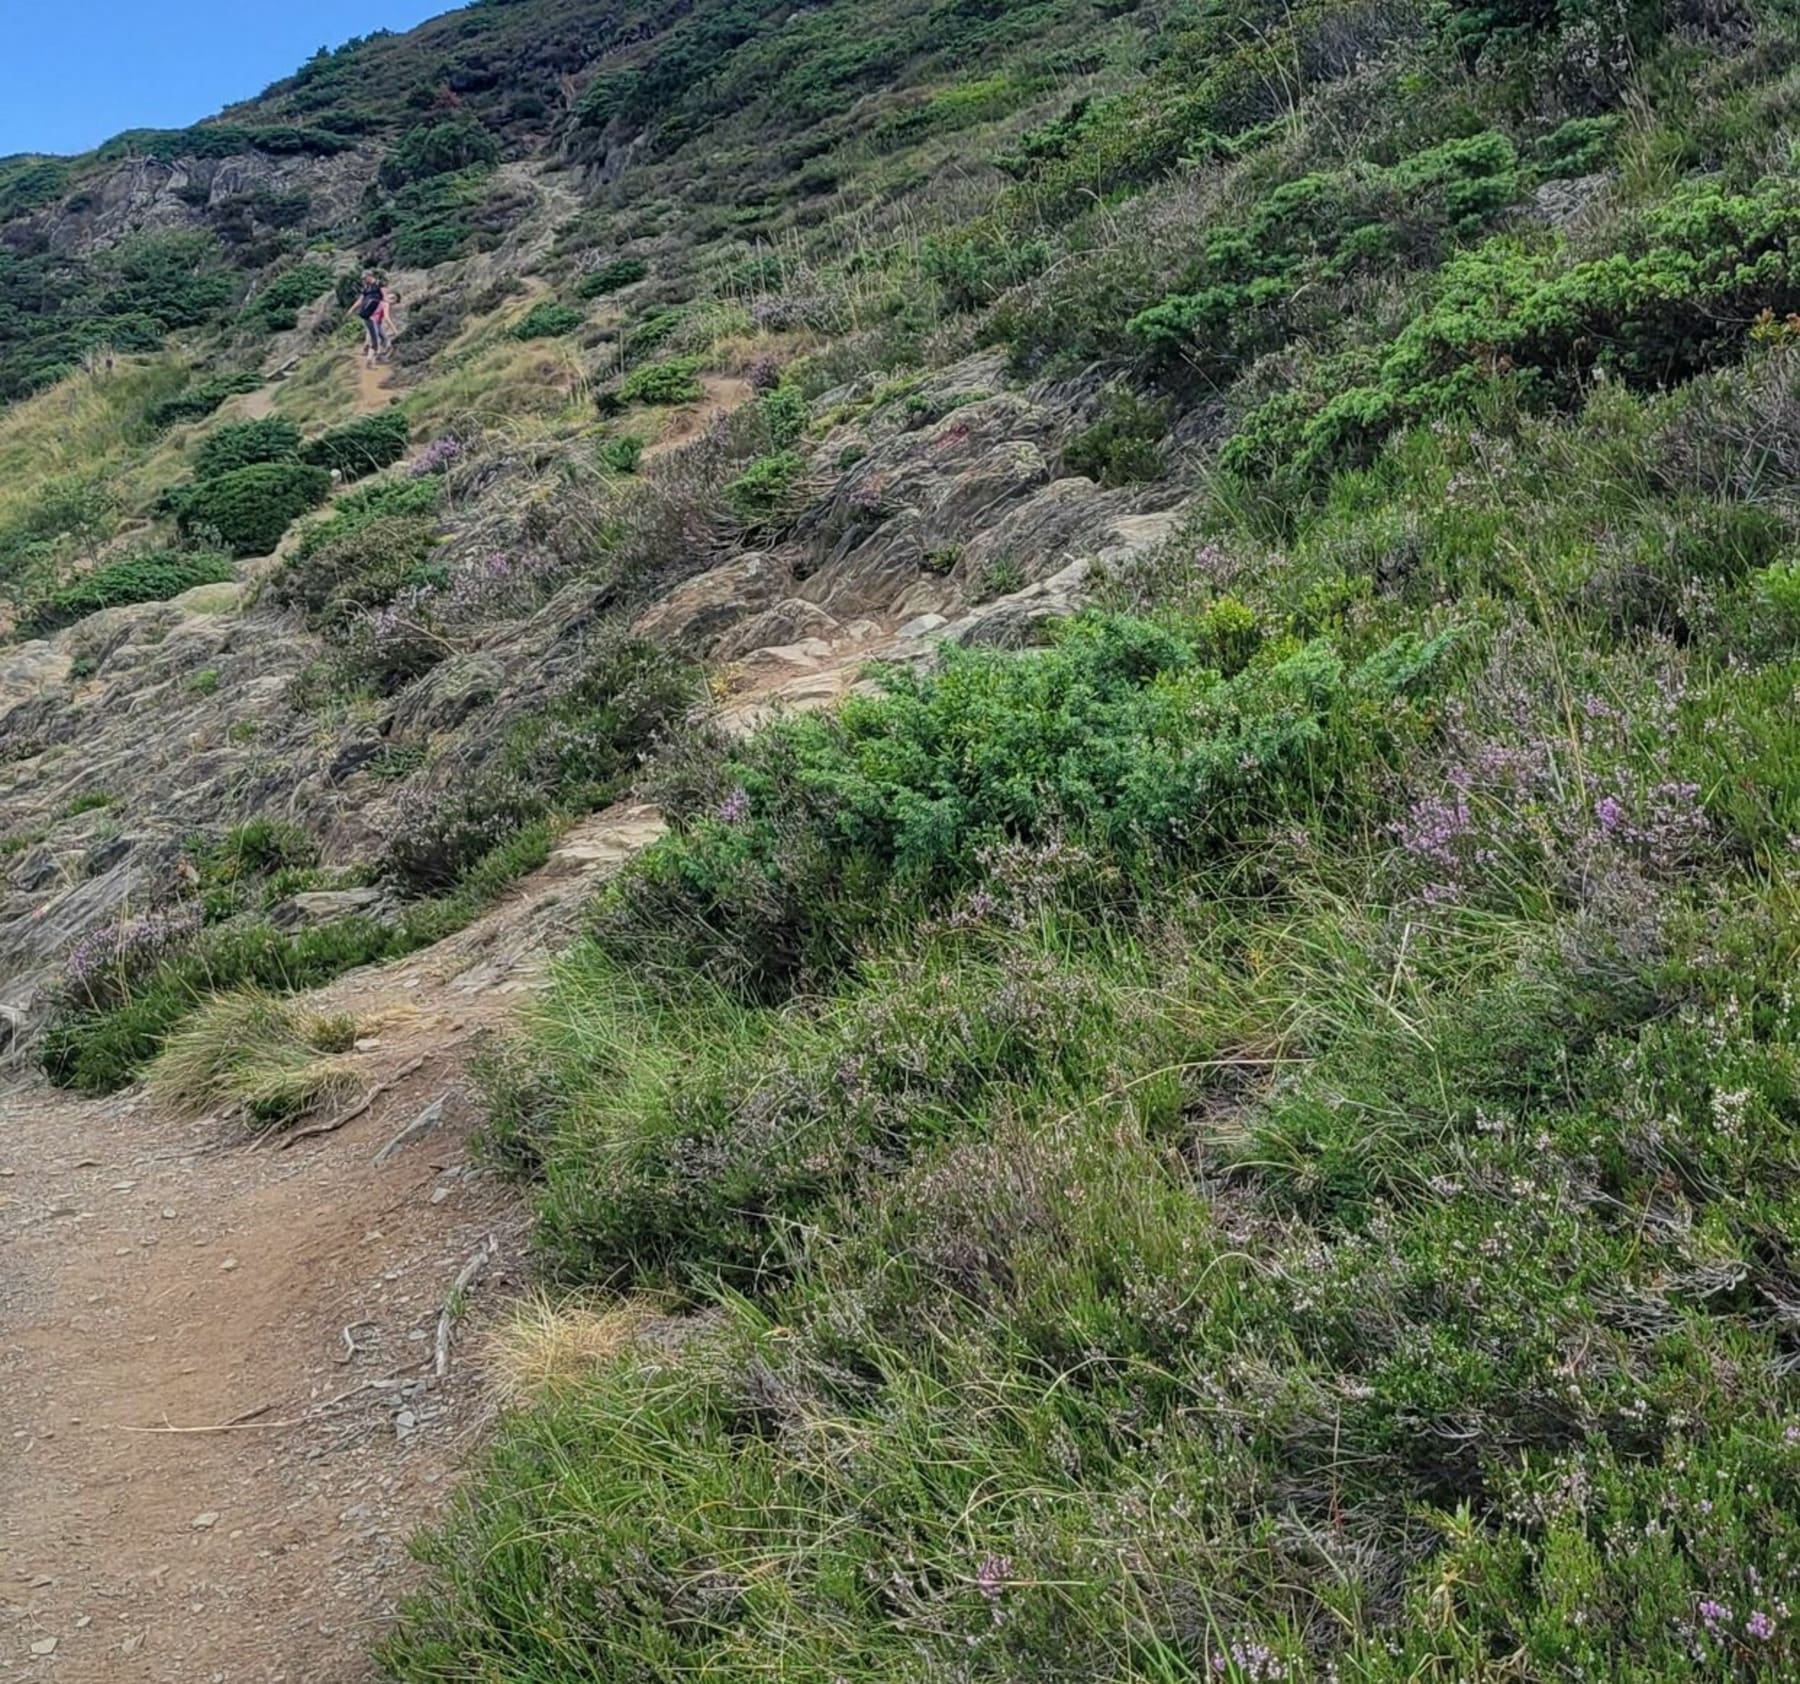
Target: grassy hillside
column 1254, row 1139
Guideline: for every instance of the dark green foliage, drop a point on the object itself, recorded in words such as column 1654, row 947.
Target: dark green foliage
column 440, row 148
column 430, row 221
column 225, row 140
column 612, row 276
column 1124, row 445
column 1578, row 146
column 53, row 310
column 152, row 577
column 547, row 319
column 276, row 307
column 28, row 183
column 359, row 508
column 1118, row 735
column 249, row 509
column 242, row 444
column 361, row 567
column 1675, row 300
column 200, row 400
column 673, row 382
column 621, row 454
column 364, row 446
column 766, row 491
column 1263, row 280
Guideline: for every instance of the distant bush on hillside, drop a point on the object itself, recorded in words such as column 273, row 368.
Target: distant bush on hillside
column 438, row 149
column 275, row 309
column 151, row 577
column 242, row 444
column 362, row 447
column 547, row 320
column 250, row 508
column 610, row 277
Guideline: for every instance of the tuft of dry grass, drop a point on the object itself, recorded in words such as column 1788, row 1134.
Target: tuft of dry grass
column 254, row 1052
column 548, row 1345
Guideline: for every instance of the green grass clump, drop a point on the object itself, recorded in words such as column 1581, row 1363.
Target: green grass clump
column 151, row 577
column 249, row 509
column 362, row 447
column 547, row 319
column 252, row 1053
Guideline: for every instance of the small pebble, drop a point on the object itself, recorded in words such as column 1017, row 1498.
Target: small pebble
column 206, row 1522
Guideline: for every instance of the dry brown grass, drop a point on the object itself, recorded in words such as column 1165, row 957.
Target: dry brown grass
column 547, row 1345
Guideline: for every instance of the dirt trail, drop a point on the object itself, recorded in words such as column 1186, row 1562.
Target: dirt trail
column 161, row 1274
column 373, row 391
column 725, row 393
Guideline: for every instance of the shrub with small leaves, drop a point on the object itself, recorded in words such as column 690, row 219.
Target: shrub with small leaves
column 243, row 444
column 151, row 577
column 547, row 319
column 362, row 447
column 611, row 276
column 673, row 382
column 251, row 508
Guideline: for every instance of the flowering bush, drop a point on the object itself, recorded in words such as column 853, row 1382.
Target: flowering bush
column 101, row 967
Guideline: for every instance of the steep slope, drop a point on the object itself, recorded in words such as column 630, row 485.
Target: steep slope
column 1228, row 1109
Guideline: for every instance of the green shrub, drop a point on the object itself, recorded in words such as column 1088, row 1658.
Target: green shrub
column 362, row 567
column 611, row 276
column 1672, row 302
column 1117, row 736
column 200, row 400
column 250, row 508
column 368, row 503
column 784, row 413
column 275, row 309
column 243, row 444
column 547, row 319
column 439, row 148
column 765, row 492
column 621, row 454
column 1123, row 446
column 1577, row 147
column 151, row 577
column 673, row 382
column 364, row 446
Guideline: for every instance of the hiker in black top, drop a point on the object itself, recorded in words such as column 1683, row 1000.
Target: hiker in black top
column 368, row 310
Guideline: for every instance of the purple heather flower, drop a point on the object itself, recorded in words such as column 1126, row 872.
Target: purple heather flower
column 1760, row 1626
column 736, row 807
column 1608, row 811
column 994, row 1574
column 1712, row 1613
column 437, row 456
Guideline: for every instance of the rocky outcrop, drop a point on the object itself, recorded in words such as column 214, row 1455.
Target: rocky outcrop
column 139, row 194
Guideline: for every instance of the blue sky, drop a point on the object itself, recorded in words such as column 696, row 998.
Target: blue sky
column 74, row 72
